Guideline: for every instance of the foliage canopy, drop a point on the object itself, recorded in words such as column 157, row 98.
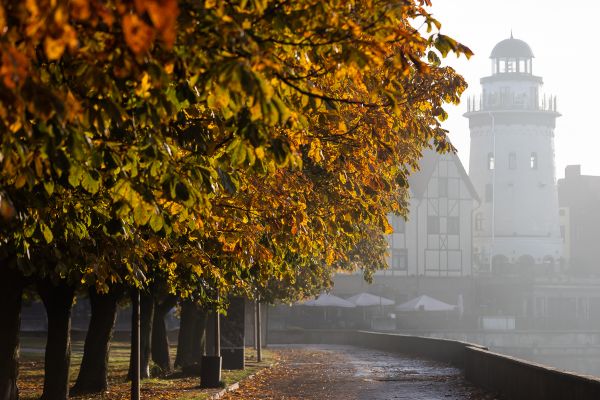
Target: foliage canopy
column 241, row 145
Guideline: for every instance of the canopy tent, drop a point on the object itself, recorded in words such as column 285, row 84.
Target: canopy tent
column 327, row 300
column 368, row 299
column 425, row 303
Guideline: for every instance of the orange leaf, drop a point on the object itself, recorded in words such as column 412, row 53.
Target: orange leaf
column 138, row 35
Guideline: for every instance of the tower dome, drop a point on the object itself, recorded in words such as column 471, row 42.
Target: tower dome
column 512, row 56
column 512, row 48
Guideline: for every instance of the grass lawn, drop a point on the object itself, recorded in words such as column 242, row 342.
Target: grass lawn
column 175, row 387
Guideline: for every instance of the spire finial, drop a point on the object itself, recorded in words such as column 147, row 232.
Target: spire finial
column 511, row 34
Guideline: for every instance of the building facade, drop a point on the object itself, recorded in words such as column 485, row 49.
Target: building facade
column 436, row 240
column 512, row 163
column 431, row 252
column 579, row 197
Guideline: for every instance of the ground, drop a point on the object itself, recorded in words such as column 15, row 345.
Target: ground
column 349, row 373
column 299, row 372
column 173, row 388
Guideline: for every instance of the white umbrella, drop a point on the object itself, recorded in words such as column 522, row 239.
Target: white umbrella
column 327, row 300
column 368, row 299
column 425, row 303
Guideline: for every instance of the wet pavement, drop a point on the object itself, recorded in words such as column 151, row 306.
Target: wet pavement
column 345, row 372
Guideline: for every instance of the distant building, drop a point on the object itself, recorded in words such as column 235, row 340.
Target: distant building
column 512, row 164
column 431, row 253
column 579, row 199
column 437, row 239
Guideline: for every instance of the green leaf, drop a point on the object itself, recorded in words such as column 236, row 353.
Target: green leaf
column 142, row 213
column 156, row 222
column 49, row 186
column 89, row 183
column 75, row 173
column 47, row 233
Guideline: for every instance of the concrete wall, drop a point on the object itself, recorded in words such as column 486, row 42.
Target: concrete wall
column 516, row 379
column 510, row 378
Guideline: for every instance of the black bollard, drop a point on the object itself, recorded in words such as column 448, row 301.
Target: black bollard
column 210, row 371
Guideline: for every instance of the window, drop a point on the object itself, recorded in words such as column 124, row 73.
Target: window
column 512, row 160
column 490, row 161
column 398, row 224
column 510, row 66
column 399, row 259
column 479, row 222
column 453, row 226
column 489, row 193
column 433, row 225
column 533, row 161
column 442, row 187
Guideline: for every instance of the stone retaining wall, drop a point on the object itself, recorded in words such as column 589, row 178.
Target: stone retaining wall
column 509, row 377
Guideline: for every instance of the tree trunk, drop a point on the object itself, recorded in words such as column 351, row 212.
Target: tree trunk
column 160, row 340
column 93, row 373
column 186, row 327
column 58, row 300
column 192, row 338
column 11, row 291
column 146, row 314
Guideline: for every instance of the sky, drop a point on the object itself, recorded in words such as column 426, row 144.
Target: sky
column 565, row 41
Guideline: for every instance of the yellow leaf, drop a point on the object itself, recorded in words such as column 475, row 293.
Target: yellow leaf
column 54, row 48
column 143, row 88
column 260, row 153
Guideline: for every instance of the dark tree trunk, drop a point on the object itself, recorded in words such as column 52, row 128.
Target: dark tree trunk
column 146, row 314
column 58, row 300
column 93, row 373
column 192, row 338
column 11, row 291
column 160, row 340
column 186, row 327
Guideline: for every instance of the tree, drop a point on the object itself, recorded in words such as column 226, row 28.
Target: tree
column 251, row 141
column 93, row 372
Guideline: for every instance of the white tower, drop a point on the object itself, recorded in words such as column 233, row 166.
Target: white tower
column 512, row 163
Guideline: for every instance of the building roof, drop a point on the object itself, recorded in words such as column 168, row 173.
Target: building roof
column 512, row 48
column 419, row 180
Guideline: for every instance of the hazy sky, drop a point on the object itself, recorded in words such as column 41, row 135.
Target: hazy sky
column 565, row 41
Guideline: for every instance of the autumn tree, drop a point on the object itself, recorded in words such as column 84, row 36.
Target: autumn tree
column 246, row 141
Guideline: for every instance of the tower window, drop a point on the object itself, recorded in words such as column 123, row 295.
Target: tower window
column 512, row 160
column 490, row 161
column 533, row 161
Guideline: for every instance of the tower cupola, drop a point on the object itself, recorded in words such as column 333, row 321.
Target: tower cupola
column 512, row 56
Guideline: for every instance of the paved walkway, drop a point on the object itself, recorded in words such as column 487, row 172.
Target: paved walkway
column 348, row 373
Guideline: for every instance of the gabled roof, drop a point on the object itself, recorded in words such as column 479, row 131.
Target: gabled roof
column 419, row 180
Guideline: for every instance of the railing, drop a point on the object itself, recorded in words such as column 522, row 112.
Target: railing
column 509, row 102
